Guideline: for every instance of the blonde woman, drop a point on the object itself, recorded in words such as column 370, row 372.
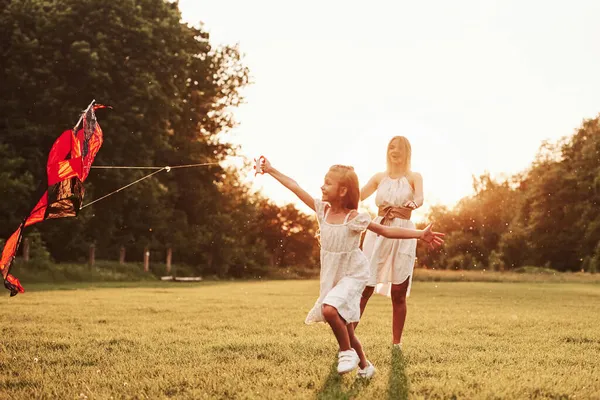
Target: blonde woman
column 399, row 192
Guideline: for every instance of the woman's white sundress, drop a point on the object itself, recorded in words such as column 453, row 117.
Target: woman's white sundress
column 391, row 261
column 344, row 267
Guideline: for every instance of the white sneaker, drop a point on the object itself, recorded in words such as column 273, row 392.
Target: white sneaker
column 347, row 361
column 397, row 346
column 367, row 372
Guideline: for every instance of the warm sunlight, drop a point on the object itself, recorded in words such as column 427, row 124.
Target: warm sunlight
column 471, row 84
column 143, row 256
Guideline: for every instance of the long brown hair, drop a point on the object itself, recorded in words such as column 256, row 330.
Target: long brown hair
column 349, row 180
column 407, row 153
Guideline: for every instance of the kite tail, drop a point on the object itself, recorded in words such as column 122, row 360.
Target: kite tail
column 13, row 284
column 8, row 255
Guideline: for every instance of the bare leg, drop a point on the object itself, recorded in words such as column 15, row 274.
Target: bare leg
column 338, row 326
column 366, row 295
column 357, row 346
column 398, row 310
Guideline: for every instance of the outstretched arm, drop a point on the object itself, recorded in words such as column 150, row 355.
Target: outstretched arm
column 396, row 232
column 289, row 183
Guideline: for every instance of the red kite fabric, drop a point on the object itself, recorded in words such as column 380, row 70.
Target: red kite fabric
column 69, row 163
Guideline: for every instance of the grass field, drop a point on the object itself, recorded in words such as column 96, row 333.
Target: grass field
column 247, row 340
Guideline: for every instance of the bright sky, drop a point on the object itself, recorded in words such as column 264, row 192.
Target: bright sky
column 474, row 85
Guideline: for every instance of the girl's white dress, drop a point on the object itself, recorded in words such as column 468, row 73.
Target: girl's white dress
column 391, row 260
column 344, row 267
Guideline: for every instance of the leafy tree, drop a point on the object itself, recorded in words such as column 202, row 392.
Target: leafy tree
column 546, row 216
column 172, row 94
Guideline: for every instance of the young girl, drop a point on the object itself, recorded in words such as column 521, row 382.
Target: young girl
column 399, row 191
column 344, row 268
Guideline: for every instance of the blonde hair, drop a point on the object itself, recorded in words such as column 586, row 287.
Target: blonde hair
column 407, row 153
column 349, row 180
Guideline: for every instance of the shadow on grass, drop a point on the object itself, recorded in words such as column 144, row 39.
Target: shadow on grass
column 333, row 387
column 398, row 385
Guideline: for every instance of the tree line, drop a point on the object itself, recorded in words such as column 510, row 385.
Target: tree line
column 174, row 94
column 547, row 216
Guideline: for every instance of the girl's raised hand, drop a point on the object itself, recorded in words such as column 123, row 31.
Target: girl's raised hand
column 265, row 165
column 433, row 238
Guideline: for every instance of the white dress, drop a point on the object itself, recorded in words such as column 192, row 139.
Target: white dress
column 391, row 260
column 344, row 267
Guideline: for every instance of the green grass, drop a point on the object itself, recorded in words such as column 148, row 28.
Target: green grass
column 246, row 340
column 524, row 274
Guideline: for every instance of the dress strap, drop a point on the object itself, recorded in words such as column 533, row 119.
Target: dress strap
column 326, row 212
column 346, row 219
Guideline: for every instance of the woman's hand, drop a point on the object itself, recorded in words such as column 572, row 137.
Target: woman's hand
column 410, row 204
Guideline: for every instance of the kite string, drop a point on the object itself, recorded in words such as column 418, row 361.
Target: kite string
column 165, row 167
column 158, row 169
column 122, row 188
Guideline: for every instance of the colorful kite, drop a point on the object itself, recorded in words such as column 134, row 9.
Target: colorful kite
column 68, row 166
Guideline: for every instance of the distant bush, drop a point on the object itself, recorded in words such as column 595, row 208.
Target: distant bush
column 297, row 272
column 535, row 270
column 48, row 272
column 537, row 275
column 44, row 271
